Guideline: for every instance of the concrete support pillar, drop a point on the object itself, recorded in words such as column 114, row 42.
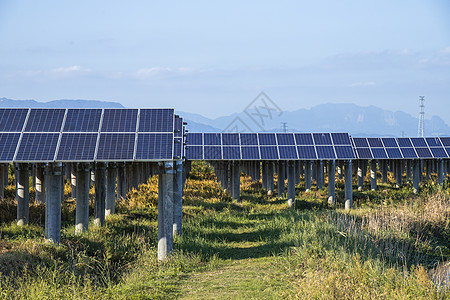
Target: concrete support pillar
column 257, row 171
column 40, row 184
column 291, row 183
column 384, row 171
column 23, row 194
column 73, row 179
column 135, row 175
column 281, row 172
column 6, row 170
column 82, row 208
column 398, row 173
column 225, row 177
column 440, row 172
column 297, row 171
column 360, row 175
column 93, row 175
column 2, row 181
column 373, row 175
column 332, row 182
column 178, row 198
column 348, row 185
column 236, row 181
column 264, row 175
column 110, row 205
column 320, row 175
column 100, row 194
column 270, row 182
column 165, row 210
column 53, row 187
column 308, row 170
column 339, row 170
column 121, row 181
column 416, row 175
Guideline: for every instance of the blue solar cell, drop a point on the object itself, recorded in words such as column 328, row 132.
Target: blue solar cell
column 389, row 142
column 82, row 120
column 267, row 139
column 445, row 141
column 448, row 151
column 231, row 152
column 120, row 146
column 285, row 139
column 77, row 147
column 194, row 152
column 45, row 120
column 325, row 152
column 306, row 152
column 375, row 142
column 177, row 148
column 360, row 142
column 152, row 120
column 344, row 152
column 152, row 146
column 304, row 139
column 194, row 139
column 12, row 120
column 249, row 139
column 269, row 153
column 394, row 153
column 230, row 139
column 408, row 152
column 120, row 120
column 250, row 152
column 439, row 152
column 424, row 152
column 178, row 130
column 419, row 142
column 341, row 139
column 37, row 147
column 288, row 152
column 433, row 142
column 379, row 153
column 322, row 138
column 212, row 139
column 213, row 152
column 404, row 142
column 9, row 145
column 364, row 153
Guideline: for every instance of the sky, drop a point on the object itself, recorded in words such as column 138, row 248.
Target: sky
column 214, row 58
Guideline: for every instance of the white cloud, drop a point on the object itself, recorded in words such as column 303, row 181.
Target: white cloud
column 160, row 71
column 66, row 70
column 367, row 83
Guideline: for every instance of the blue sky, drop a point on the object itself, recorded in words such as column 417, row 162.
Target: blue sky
column 214, row 57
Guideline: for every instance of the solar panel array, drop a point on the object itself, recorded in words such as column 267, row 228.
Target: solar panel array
column 269, row 146
column 401, row 148
column 46, row 135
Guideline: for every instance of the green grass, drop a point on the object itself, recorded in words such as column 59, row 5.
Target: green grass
column 391, row 246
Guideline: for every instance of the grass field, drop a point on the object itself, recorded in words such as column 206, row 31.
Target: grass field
column 394, row 244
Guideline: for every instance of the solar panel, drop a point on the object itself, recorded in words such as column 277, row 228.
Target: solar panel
column 77, row 147
column 249, row 139
column 269, row 153
column 82, row 120
column 250, row 152
column 344, row 152
column 177, row 148
column 9, row 145
column 375, row 142
column 230, row 139
column 408, row 152
column 379, row 153
column 194, row 139
column 438, row 152
column 151, row 146
column 404, row 142
column 424, row 152
column 433, row 142
column 212, row 138
column 120, row 146
column 120, row 120
column 448, row 151
column 194, row 152
column 304, row 139
column 231, row 152
column 394, row 153
column 389, row 142
column 267, row 139
column 325, row 152
column 151, row 120
column 178, row 131
column 419, row 142
column 285, row 139
column 288, row 152
column 37, row 147
column 306, row 152
column 341, row 139
column 12, row 120
column 364, row 153
column 322, row 138
column 445, row 141
column 45, row 120
column 361, row 142
column 212, row 152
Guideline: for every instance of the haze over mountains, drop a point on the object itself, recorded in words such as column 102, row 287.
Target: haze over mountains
column 351, row 118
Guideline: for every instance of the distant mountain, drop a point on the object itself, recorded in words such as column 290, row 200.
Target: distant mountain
column 351, row 118
column 9, row 103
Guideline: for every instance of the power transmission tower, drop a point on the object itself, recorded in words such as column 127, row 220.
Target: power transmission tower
column 284, row 126
column 421, row 116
